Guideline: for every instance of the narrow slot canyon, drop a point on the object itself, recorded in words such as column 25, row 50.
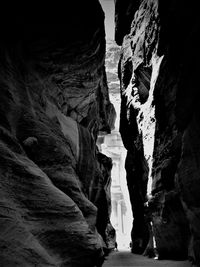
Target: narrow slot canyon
column 99, row 134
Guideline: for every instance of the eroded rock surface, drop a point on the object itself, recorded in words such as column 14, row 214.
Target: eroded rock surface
column 54, row 100
column 160, row 122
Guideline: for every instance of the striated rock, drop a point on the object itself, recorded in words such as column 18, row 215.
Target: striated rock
column 54, row 100
column 158, row 71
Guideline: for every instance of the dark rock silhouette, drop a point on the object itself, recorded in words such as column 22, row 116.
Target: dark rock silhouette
column 158, row 71
column 54, row 100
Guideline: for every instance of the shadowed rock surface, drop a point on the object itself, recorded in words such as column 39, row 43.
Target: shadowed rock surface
column 160, row 122
column 124, row 12
column 54, row 100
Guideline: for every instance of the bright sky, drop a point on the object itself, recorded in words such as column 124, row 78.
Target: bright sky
column 109, row 10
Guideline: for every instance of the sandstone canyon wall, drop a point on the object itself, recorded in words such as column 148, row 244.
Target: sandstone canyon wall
column 160, row 122
column 54, row 184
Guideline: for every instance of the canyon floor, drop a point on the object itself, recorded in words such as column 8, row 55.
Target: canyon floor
column 126, row 259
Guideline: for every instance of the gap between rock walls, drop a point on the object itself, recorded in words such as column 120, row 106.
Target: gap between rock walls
column 99, row 132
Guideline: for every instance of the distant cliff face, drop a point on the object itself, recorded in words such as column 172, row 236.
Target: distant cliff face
column 54, row 100
column 160, row 122
column 111, row 64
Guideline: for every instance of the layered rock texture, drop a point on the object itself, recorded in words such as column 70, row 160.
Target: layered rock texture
column 160, row 122
column 54, row 184
column 111, row 64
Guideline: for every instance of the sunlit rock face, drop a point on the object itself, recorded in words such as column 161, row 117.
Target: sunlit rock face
column 158, row 71
column 54, row 100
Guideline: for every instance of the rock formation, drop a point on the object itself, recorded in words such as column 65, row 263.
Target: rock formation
column 111, row 64
column 54, row 100
column 160, row 122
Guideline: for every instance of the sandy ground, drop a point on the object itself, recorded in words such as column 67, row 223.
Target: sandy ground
column 127, row 259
